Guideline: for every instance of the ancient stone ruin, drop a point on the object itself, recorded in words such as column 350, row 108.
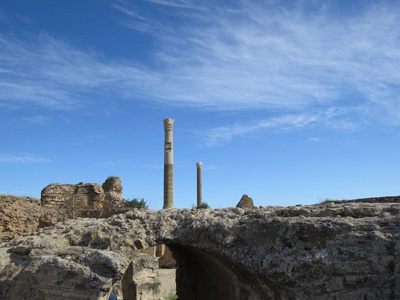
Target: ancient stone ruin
column 84, row 195
column 327, row 251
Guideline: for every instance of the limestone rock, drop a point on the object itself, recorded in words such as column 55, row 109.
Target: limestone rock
column 333, row 251
column 245, row 202
column 145, row 276
column 24, row 215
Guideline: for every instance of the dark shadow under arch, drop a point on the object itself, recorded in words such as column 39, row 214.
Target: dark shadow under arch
column 201, row 275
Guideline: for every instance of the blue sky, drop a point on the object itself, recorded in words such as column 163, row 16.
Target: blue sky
column 290, row 102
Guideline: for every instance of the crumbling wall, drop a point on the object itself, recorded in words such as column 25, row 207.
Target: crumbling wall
column 83, row 195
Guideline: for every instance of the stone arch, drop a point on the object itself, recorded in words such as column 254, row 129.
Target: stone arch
column 205, row 275
column 202, row 275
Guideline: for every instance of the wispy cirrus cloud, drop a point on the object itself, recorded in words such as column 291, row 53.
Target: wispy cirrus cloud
column 242, row 55
column 54, row 74
column 109, row 163
column 254, row 55
column 315, row 140
column 223, row 134
column 176, row 3
column 38, row 120
column 25, row 158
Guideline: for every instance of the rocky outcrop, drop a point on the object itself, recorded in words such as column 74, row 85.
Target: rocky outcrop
column 83, row 195
column 331, row 251
column 245, row 202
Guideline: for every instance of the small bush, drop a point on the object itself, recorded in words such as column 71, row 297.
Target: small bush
column 172, row 297
column 203, row 205
column 135, row 203
column 326, row 201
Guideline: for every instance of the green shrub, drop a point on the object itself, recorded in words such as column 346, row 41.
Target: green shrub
column 325, row 201
column 135, row 203
column 172, row 297
column 203, row 205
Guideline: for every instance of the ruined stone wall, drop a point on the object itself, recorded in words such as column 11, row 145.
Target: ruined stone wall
column 84, row 195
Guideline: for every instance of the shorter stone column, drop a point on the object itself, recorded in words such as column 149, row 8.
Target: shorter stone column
column 199, row 184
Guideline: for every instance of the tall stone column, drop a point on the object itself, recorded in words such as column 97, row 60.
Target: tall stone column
column 168, row 164
column 199, row 184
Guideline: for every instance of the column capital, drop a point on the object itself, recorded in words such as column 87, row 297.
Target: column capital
column 199, row 164
column 168, row 124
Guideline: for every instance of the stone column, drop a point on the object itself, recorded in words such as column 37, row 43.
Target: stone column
column 199, row 184
column 168, row 164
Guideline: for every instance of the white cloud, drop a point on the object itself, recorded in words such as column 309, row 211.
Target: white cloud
column 250, row 55
column 223, row 134
column 54, row 74
column 259, row 56
column 127, row 11
column 28, row 158
column 109, row 163
column 175, row 3
column 38, row 120
column 315, row 140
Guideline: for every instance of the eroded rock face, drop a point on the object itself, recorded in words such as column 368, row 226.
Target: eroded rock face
column 24, row 215
column 332, row 251
column 83, row 195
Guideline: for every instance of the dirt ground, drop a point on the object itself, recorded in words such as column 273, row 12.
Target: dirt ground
column 168, row 285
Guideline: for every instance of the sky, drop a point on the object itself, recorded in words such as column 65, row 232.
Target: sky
column 289, row 102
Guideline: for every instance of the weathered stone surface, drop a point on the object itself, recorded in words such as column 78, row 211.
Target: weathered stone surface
column 145, row 277
column 73, row 195
column 332, row 251
column 24, row 215
column 245, row 202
